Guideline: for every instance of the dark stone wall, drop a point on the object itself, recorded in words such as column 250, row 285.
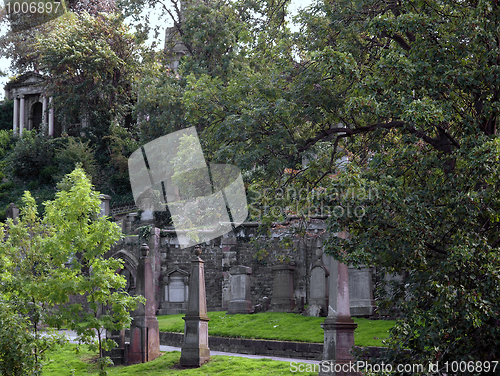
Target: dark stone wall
column 247, row 247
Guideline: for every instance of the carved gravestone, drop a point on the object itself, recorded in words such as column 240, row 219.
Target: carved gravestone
column 240, row 290
column 282, row 299
column 176, row 291
column 361, row 291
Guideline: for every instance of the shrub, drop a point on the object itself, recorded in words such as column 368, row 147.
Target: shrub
column 30, row 155
column 75, row 152
column 16, row 350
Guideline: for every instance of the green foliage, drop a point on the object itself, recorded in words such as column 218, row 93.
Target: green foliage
column 409, row 93
column 16, row 344
column 85, row 236
column 30, row 155
column 457, row 311
column 91, row 62
column 74, row 152
column 159, row 107
column 6, row 114
column 45, row 261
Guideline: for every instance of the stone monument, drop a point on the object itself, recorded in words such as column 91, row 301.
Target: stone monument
column 361, row 291
column 338, row 326
column 282, row 299
column 144, row 331
column 195, row 349
column 240, row 290
column 318, row 288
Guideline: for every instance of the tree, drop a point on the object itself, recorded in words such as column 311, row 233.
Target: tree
column 409, row 93
column 45, row 261
column 19, row 43
column 91, row 63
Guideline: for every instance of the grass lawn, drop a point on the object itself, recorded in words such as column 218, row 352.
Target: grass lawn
column 279, row 326
column 65, row 362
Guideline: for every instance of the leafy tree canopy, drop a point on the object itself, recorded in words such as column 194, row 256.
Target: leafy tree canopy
column 409, row 94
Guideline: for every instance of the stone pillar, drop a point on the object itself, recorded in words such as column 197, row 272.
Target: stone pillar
column 195, row 349
column 129, row 220
column 144, row 331
column 51, row 117
column 105, row 199
column 15, row 122
column 282, row 299
column 338, row 326
column 318, row 287
column 361, row 291
column 22, row 110
column 12, row 212
column 240, row 290
column 44, row 112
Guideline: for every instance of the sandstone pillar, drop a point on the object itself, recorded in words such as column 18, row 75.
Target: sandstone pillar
column 338, row 326
column 144, row 330
column 195, row 349
column 44, row 112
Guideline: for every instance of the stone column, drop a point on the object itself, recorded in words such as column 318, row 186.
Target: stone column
column 338, row 326
column 195, row 349
column 144, row 331
column 240, row 290
column 44, row 112
column 22, row 115
column 15, row 122
column 105, row 199
column 282, row 299
column 51, row 117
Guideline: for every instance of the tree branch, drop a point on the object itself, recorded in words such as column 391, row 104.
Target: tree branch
column 350, row 132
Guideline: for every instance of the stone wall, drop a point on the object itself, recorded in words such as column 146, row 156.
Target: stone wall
column 245, row 248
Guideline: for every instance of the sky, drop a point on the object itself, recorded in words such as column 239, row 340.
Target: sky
column 4, row 63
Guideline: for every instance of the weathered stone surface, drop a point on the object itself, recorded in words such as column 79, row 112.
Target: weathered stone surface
column 314, row 310
column 282, row 299
column 338, row 326
column 195, row 350
column 318, row 285
column 240, row 290
column 219, row 257
column 361, row 292
column 145, row 334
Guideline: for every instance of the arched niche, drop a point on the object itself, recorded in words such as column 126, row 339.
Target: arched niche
column 129, row 269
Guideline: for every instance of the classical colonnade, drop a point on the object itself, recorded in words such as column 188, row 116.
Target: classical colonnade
column 19, row 119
